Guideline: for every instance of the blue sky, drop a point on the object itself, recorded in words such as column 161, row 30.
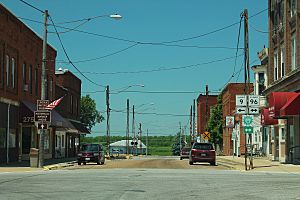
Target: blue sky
column 187, row 30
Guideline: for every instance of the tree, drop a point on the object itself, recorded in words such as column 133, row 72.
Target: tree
column 89, row 115
column 215, row 124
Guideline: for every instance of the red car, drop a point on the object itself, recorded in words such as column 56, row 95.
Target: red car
column 91, row 153
column 202, row 152
column 185, row 152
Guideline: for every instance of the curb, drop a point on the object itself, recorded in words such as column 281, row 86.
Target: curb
column 59, row 166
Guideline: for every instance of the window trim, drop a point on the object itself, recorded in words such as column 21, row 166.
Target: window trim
column 7, row 69
column 275, row 75
column 282, row 65
column 293, row 52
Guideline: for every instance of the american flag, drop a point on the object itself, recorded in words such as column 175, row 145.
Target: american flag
column 54, row 103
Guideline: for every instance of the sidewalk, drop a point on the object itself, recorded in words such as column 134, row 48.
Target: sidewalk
column 50, row 164
column 259, row 163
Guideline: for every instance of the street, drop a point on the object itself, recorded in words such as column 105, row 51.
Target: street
column 149, row 178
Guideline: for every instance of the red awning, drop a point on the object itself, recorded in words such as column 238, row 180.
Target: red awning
column 277, row 100
column 292, row 107
column 266, row 119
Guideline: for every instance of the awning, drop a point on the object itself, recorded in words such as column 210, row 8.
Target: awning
column 292, row 107
column 56, row 119
column 80, row 127
column 266, row 119
column 277, row 100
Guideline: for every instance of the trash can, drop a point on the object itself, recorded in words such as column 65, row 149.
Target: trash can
column 34, row 157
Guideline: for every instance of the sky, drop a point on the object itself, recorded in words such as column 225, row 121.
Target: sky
column 172, row 47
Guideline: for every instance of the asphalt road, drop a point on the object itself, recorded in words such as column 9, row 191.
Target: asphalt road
column 137, row 184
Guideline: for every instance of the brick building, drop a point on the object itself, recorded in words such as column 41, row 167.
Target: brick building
column 20, row 88
column 229, row 106
column 284, row 79
column 68, row 85
column 203, row 112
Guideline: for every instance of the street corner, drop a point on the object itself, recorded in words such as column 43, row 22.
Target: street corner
column 58, row 166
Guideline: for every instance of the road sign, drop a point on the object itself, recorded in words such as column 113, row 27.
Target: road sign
column 253, row 110
column 229, row 121
column 41, row 104
column 248, row 129
column 42, row 126
column 206, row 135
column 248, row 120
column 42, row 116
column 241, row 100
column 241, row 110
column 253, row 100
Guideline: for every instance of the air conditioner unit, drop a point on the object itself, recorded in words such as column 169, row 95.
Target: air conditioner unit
column 25, row 87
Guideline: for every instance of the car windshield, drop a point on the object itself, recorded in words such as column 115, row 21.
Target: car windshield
column 89, row 147
column 203, row 146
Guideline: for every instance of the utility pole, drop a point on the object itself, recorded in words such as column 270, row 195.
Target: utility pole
column 147, row 143
column 141, row 139
column 206, row 106
column 43, row 90
column 247, row 82
column 194, row 123
column 180, row 138
column 127, row 129
column 133, row 131
column 191, row 126
column 107, row 121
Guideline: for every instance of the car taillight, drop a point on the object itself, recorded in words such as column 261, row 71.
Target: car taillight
column 193, row 152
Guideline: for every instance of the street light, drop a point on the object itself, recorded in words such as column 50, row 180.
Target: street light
column 116, row 16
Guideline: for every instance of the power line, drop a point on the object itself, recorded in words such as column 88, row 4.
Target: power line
column 154, row 92
column 163, row 69
column 65, row 52
column 32, row 6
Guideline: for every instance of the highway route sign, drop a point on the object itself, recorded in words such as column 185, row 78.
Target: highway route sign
column 248, row 120
column 253, row 100
column 253, row 111
column 241, row 100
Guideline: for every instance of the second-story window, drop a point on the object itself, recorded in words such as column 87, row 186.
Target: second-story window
column 13, row 66
column 71, row 103
column 293, row 52
column 30, row 78
column 36, row 78
column 51, row 89
column 261, row 82
column 24, row 75
column 282, row 61
column 7, row 70
column 275, row 65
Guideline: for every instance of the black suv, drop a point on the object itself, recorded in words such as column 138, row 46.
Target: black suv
column 91, row 153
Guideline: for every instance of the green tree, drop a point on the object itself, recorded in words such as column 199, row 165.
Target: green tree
column 215, row 124
column 89, row 115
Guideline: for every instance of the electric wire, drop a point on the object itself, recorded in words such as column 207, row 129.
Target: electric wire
column 66, row 54
column 28, row 4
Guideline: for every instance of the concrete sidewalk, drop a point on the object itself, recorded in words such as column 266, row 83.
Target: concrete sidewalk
column 50, row 164
column 259, row 163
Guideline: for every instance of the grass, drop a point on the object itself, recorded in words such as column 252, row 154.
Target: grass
column 160, row 151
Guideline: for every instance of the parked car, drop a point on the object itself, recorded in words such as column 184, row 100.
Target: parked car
column 91, row 153
column 185, row 152
column 202, row 152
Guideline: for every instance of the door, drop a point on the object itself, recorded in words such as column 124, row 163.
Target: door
column 26, row 140
column 276, row 143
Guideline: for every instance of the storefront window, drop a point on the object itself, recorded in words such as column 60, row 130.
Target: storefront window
column 282, row 134
column 47, row 142
column 272, row 133
column 63, row 141
column 2, row 137
column 291, row 135
column 12, row 138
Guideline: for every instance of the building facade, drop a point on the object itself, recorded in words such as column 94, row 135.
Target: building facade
column 20, row 88
column 204, row 104
column 284, row 79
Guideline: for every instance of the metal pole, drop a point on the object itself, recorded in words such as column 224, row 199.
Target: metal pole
column 43, row 90
column 127, row 129
column 194, row 123
column 191, row 127
column 107, row 121
column 7, row 134
column 206, row 106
